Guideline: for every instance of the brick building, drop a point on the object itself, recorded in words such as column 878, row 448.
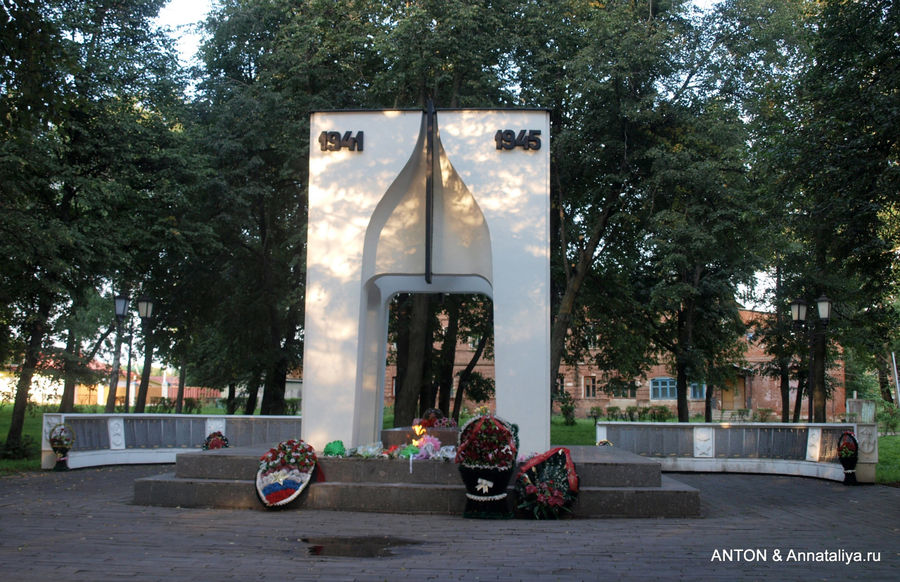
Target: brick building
column 744, row 396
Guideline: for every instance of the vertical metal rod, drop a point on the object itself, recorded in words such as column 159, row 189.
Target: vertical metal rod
column 896, row 383
column 429, row 189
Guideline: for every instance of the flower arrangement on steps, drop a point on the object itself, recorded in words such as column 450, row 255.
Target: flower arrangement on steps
column 546, row 485
column 61, row 438
column 487, row 456
column 215, row 440
column 848, row 455
column 284, row 472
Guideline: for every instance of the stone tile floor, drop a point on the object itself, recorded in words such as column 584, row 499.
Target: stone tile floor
column 81, row 525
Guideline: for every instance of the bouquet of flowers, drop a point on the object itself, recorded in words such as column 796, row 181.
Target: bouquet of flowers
column 285, row 471
column 486, row 455
column 61, row 436
column 215, row 440
column 847, row 445
column 487, row 441
column 547, row 484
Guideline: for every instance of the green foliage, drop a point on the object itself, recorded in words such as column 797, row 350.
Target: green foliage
column 292, row 405
column 25, row 448
column 161, row 405
column 613, row 413
column 763, row 414
column 566, row 405
column 191, row 406
column 659, row 413
column 888, row 416
column 596, row 412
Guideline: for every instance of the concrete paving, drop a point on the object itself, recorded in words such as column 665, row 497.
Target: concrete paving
column 82, row 525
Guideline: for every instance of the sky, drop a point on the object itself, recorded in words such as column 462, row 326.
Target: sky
column 182, row 15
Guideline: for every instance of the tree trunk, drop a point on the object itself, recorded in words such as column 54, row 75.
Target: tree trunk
column 448, row 353
column 114, row 376
column 252, row 393
column 141, row 401
column 230, row 401
column 179, row 400
column 682, row 351
column 784, row 374
column 681, row 388
column 798, row 401
column 465, row 375
column 409, row 385
column 67, row 402
column 707, row 405
column 38, row 328
column 273, row 392
column 575, row 276
column 428, row 387
column 818, row 386
column 882, row 365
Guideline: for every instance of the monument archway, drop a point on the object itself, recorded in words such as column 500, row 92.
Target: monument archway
column 454, row 201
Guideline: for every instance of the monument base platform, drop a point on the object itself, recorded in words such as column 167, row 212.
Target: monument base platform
column 613, row 483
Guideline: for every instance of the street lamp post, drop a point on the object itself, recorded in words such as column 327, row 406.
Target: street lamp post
column 121, row 308
column 817, row 350
column 130, row 339
column 145, row 310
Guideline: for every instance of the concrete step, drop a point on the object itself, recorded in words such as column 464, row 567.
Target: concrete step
column 613, row 483
column 672, row 499
column 596, row 467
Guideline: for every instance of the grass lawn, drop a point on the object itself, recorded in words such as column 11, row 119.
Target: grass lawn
column 582, row 432
column 888, row 470
column 32, row 430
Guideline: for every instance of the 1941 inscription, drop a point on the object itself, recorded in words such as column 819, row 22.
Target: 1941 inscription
column 334, row 141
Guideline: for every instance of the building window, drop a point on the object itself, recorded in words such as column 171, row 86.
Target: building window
column 623, row 391
column 590, row 386
column 560, row 383
column 698, row 391
column 663, row 389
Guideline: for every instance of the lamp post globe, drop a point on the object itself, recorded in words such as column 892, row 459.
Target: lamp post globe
column 823, row 304
column 798, row 311
column 121, row 307
column 145, row 307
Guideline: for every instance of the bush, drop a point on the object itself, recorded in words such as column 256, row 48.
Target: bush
column 25, row 449
column 763, row 414
column 291, row 405
column 566, row 406
column 889, row 417
column 742, row 414
column 633, row 413
column 659, row 413
column 191, row 406
column 613, row 413
column 595, row 413
column 161, row 404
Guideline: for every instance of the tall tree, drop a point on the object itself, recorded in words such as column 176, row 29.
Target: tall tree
column 267, row 65
column 846, row 171
column 82, row 128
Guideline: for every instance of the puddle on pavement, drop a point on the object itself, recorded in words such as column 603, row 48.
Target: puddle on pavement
column 357, row 547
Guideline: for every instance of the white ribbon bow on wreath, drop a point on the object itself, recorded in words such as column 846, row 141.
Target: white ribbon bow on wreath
column 484, row 485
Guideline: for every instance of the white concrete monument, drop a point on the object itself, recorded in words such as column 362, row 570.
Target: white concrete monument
column 453, row 201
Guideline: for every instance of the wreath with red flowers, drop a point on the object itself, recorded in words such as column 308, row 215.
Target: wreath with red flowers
column 284, row 471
